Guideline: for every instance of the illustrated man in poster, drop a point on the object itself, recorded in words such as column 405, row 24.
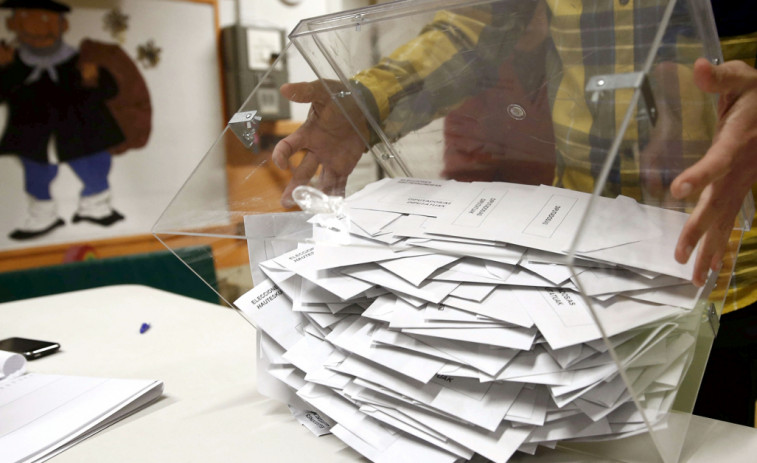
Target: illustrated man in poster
column 57, row 113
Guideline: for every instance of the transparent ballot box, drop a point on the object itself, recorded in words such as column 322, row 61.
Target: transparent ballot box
column 462, row 245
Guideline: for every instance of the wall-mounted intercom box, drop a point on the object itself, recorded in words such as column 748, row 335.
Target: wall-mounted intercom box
column 248, row 53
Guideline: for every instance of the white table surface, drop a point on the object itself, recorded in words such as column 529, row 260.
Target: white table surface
column 211, row 411
column 205, row 355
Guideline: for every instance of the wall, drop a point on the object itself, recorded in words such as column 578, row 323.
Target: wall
column 284, row 15
column 186, row 99
column 281, row 13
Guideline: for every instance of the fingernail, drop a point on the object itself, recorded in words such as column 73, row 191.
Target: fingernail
column 684, row 254
column 685, row 189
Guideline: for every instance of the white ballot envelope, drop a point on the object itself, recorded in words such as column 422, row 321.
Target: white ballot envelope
column 443, row 319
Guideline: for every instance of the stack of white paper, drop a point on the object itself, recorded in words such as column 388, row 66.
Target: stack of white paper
column 438, row 320
column 44, row 414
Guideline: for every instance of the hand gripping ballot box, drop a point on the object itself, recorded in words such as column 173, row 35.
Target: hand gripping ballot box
column 464, row 248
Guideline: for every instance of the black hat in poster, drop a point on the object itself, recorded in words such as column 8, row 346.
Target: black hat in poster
column 49, row 5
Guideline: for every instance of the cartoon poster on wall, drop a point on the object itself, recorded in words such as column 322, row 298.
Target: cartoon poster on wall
column 94, row 106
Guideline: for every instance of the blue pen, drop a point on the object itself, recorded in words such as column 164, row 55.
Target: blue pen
column 143, row 328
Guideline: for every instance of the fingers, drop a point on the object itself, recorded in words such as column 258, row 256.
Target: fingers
column 287, row 147
column 694, row 228
column 703, row 77
column 711, row 250
column 304, row 92
column 727, row 77
column 726, row 172
column 714, row 165
column 698, row 225
column 301, row 175
column 333, row 183
column 712, row 221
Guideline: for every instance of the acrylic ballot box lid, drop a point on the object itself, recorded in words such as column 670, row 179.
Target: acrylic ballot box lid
column 506, row 163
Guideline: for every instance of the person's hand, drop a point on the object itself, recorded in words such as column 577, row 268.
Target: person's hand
column 327, row 137
column 724, row 176
column 89, row 74
column 6, row 53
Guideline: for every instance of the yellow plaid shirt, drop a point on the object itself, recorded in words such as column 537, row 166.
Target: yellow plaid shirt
column 432, row 74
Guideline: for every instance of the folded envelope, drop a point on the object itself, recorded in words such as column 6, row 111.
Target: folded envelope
column 436, row 319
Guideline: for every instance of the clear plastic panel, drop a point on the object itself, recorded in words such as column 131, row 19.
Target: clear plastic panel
column 662, row 125
column 508, row 161
column 481, row 116
column 241, row 160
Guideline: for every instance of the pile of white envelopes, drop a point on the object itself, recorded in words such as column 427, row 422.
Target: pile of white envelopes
column 435, row 320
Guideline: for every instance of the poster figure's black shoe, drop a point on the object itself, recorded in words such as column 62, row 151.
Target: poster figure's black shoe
column 20, row 234
column 106, row 221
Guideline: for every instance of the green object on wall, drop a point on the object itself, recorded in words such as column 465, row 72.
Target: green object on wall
column 159, row 269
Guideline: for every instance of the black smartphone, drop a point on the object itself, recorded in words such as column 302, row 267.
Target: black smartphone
column 29, row 348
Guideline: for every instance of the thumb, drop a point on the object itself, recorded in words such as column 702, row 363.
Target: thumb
column 303, row 92
column 727, row 77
